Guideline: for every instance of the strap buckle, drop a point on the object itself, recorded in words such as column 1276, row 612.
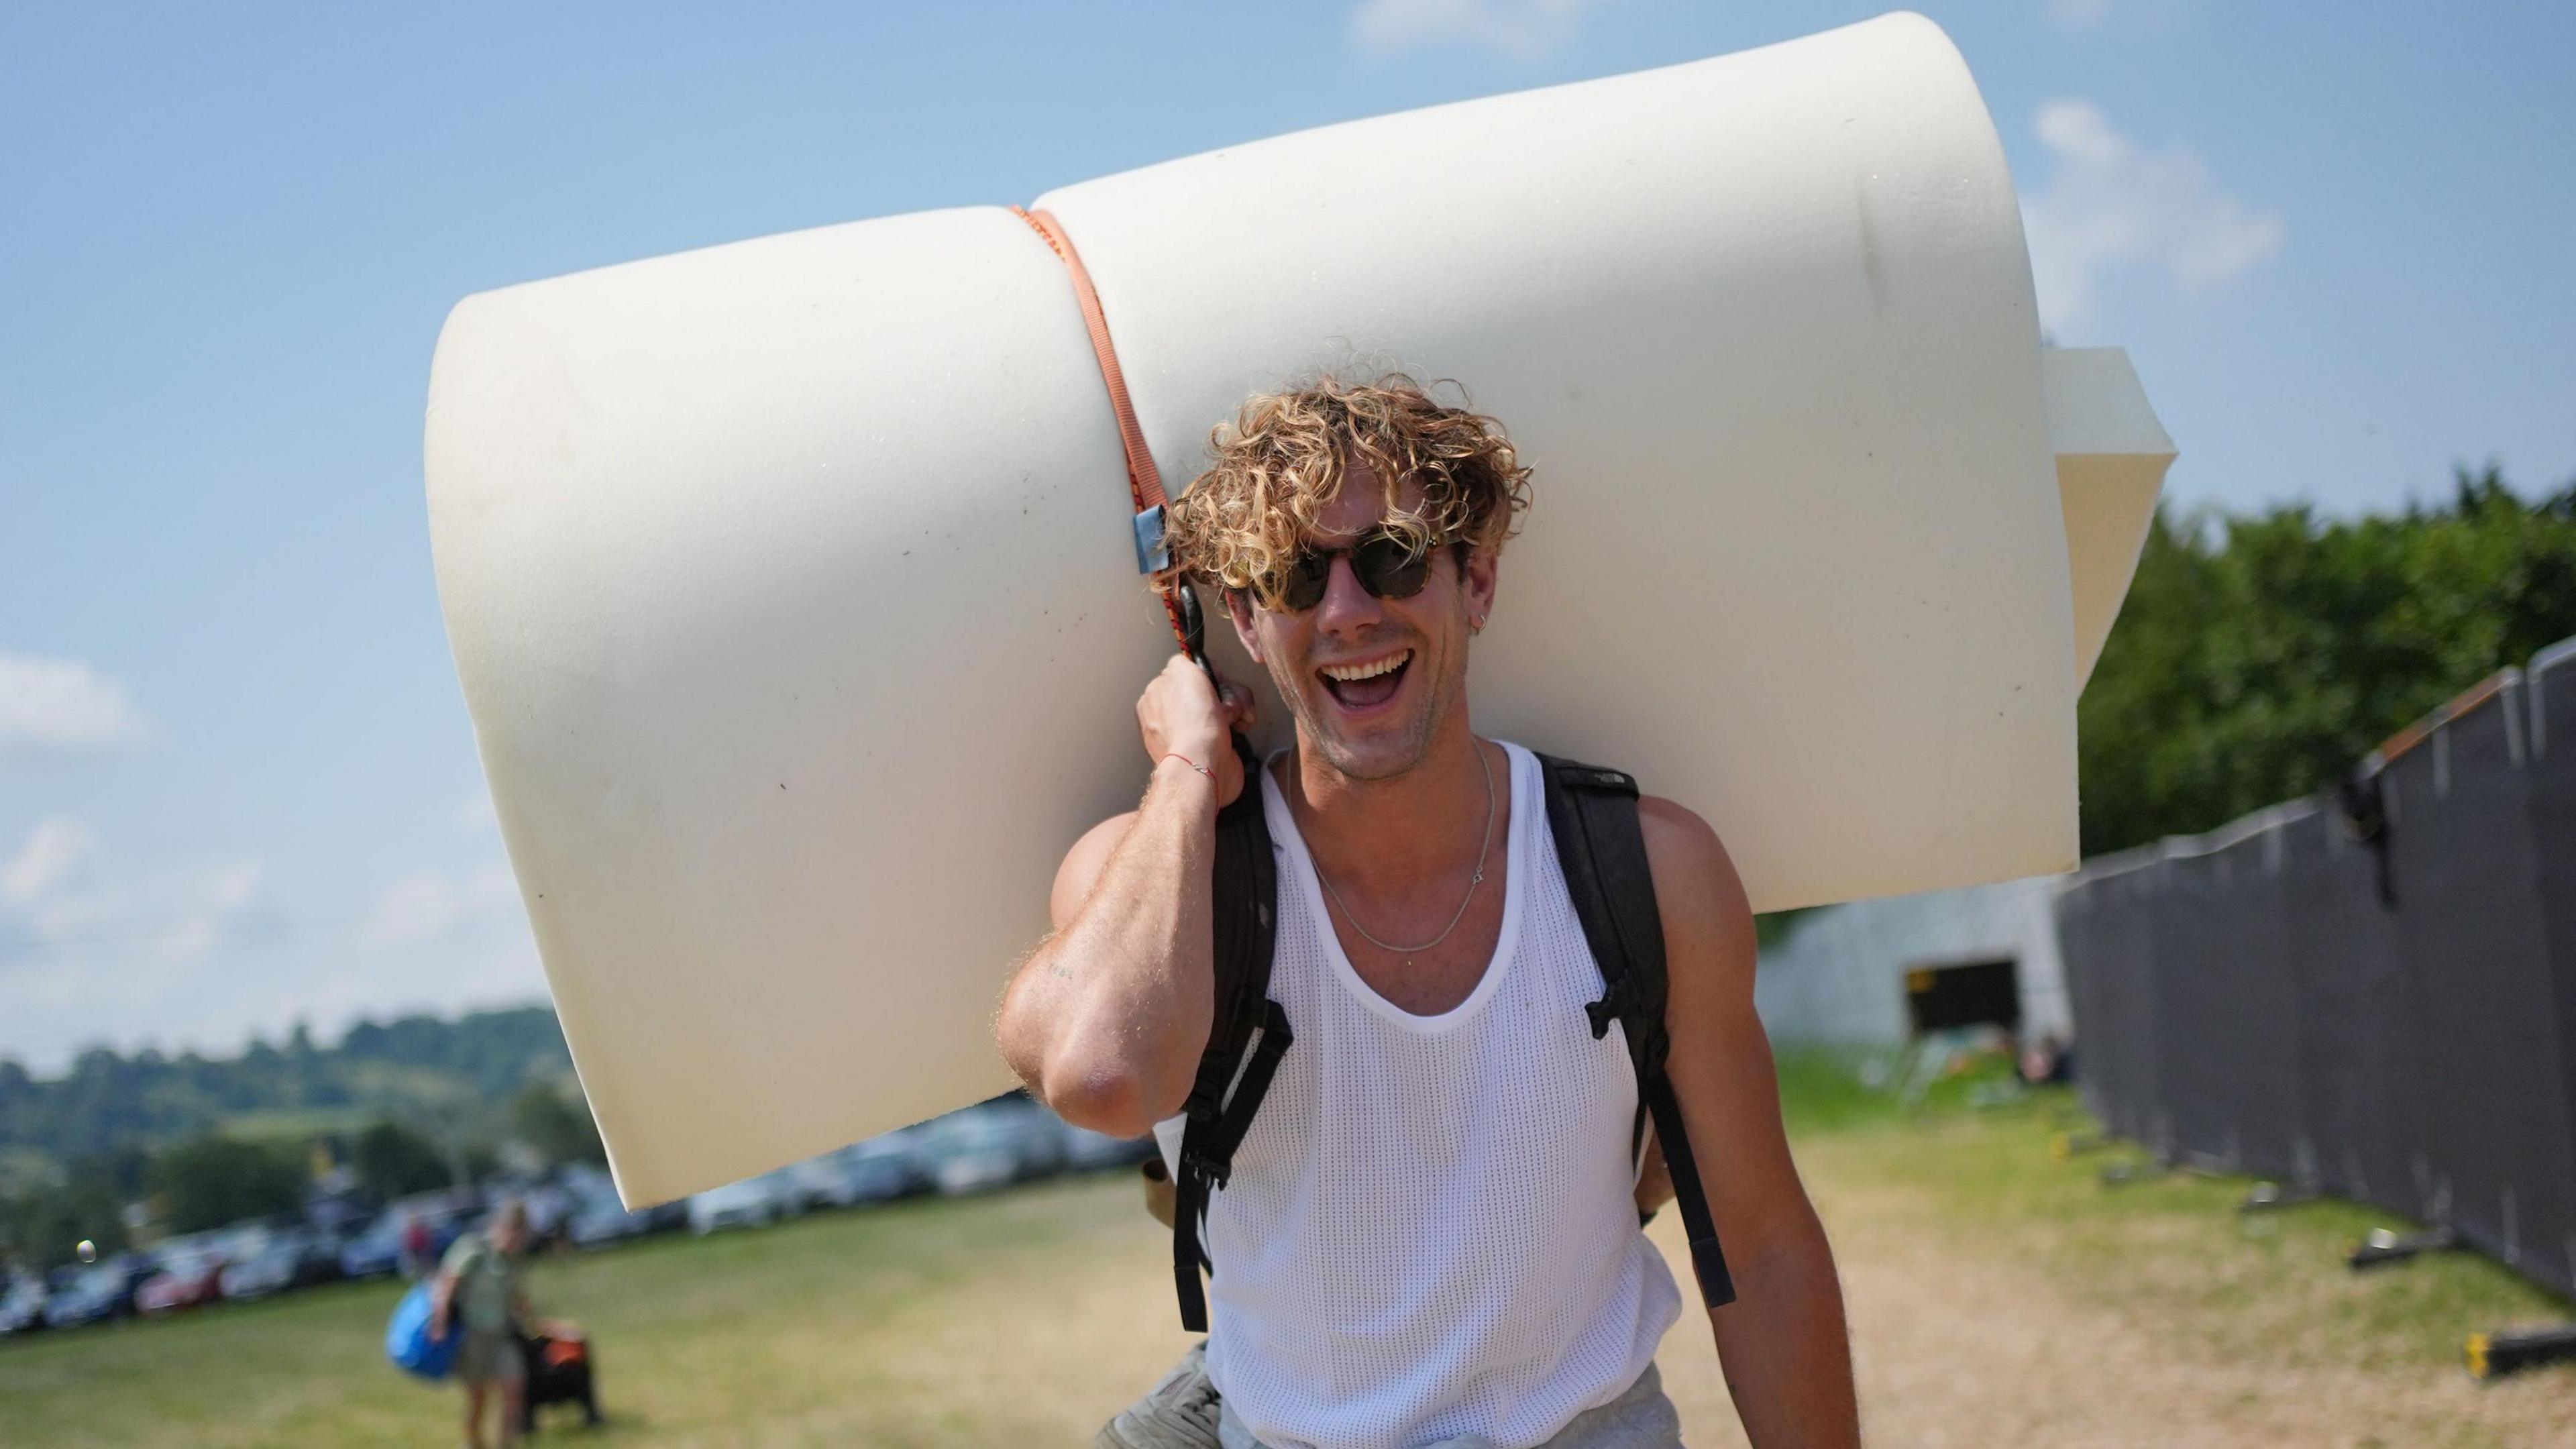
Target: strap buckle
column 1205, row 1116
column 1601, row 1013
column 1646, row 1039
column 1152, row 554
column 1213, row 1170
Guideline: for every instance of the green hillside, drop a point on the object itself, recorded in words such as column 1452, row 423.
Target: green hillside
column 450, row 1075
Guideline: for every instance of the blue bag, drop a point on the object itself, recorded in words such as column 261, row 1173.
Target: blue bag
column 407, row 1340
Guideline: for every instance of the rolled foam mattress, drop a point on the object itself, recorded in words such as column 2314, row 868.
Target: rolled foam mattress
column 792, row 587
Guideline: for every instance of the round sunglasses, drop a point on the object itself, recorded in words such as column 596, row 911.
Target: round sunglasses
column 1386, row 565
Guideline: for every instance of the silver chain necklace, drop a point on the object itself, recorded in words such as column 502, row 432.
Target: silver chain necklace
column 1472, row 881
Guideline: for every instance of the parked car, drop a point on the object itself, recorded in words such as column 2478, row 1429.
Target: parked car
column 819, row 1182
column 379, row 1250
column 980, row 1147
column 1086, row 1150
column 271, row 1270
column 189, row 1276
column 872, row 1171
column 600, row 1223
column 374, row 1252
column 791, row 1200
column 105, row 1290
column 585, row 1178
column 549, row 1205
column 753, row 1202
column 294, row 1258
column 22, row 1303
column 600, row 1219
column 1037, row 1135
column 887, row 1165
column 337, row 1207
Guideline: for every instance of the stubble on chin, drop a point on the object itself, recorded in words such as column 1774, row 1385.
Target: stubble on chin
column 1399, row 756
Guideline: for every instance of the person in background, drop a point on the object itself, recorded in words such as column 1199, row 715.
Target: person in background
column 2049, row 1060
column 415, row 1246
column 478, row 1294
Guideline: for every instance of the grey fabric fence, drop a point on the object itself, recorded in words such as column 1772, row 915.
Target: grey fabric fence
column 2371, row 993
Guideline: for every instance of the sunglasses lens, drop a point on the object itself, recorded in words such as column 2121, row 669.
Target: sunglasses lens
column 1390, row 568
column 1302, row 586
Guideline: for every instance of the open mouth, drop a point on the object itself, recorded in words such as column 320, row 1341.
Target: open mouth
column 1366, row 682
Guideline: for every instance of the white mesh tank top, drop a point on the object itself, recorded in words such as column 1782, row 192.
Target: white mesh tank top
column 1430, row 1231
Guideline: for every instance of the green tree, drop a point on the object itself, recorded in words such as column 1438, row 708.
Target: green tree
column 45, row 1226
column 216, row 1180
column 2261, row 656
column 556, row 1124
column 392, row 1160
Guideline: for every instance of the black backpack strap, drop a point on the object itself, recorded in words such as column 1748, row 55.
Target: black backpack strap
column 1592, row 813
column 1247, row 1034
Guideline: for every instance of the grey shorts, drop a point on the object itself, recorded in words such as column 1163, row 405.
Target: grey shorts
column 1184, row 1412
column 490, row 1358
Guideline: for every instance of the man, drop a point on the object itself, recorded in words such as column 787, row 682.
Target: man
column 478, row 1293
column 1428, row 1236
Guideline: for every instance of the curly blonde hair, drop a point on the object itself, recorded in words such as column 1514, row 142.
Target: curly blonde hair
column 1282, row 461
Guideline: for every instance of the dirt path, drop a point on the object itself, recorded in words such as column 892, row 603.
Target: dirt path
column 1959, row 1342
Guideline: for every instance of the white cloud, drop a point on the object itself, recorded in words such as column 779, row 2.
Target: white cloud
column 171, row 920
column 477, row 813
column 491, row 888
column 52, row 849
column 214, row 897
column 67, row 915
column 61, row 704
column 2111, row 203
column 197, row 959
column 421, row 905
column 1521, row 28
column 429, row 902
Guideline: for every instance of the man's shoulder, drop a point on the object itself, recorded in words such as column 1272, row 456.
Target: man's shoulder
column 1697, row 891
column 1689, row 863
column 1680, row 845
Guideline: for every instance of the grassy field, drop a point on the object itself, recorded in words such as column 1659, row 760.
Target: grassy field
column 1999, row 1294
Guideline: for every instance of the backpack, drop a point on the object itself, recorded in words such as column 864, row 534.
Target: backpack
column 1592, row 813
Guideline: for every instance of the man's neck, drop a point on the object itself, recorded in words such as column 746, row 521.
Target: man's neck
column 1389, row 836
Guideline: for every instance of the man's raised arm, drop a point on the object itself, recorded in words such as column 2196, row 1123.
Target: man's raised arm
column 1782, row 1342
column 1106, row 1020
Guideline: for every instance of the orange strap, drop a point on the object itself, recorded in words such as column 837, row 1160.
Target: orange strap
column 1144, row 480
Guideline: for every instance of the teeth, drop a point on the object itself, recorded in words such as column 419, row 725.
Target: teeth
column 1352, row 673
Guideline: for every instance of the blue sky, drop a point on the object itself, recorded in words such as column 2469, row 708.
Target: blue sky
column 237, row 784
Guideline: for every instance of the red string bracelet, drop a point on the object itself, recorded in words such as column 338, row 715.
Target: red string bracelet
column 1186, row 760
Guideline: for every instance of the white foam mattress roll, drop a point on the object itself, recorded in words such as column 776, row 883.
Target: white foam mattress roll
column 792, row 591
